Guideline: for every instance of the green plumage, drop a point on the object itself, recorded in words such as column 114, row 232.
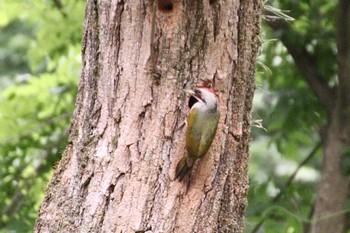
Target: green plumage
column 201, row 129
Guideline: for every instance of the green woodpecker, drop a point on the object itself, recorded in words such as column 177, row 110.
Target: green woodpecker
column 202, row 123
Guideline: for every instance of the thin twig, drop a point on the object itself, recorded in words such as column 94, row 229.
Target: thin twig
column 289, row 182
column 45, row 123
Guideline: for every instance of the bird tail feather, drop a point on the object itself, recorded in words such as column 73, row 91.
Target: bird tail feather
column 182, row 168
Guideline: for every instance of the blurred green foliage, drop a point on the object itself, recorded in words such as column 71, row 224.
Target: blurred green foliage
column 292, row 117
column 39, row 70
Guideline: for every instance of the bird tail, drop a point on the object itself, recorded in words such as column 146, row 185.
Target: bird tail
column 182, row 168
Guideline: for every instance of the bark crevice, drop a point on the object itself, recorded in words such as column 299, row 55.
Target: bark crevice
column 128, row 133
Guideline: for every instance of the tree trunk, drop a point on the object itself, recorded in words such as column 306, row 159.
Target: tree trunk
column 328, row 215
column 333, row 190
column 128, row 131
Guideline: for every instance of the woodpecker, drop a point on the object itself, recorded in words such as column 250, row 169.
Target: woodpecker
column 202, row 123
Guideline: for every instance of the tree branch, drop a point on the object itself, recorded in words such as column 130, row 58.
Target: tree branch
column 343, row 46
column 306, row 64
column 45, row 123
column 289, row 182
column 58, row 4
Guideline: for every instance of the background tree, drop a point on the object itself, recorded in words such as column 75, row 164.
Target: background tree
column 127, row 134
column 309, row 108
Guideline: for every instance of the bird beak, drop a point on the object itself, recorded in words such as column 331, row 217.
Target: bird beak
column 189, row 92
column 192, row 94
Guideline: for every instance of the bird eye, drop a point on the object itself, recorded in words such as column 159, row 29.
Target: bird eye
column 197, row 92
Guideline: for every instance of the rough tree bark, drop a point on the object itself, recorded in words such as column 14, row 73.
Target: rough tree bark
column 333, row 188
column 127, row 134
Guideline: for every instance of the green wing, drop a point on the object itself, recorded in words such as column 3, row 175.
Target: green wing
column 193, row 136
column 200, row 132
column 208, row 133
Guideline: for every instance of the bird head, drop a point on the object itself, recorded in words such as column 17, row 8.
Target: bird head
column 202, row 97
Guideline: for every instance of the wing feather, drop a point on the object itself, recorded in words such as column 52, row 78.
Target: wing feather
column 200, row 132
